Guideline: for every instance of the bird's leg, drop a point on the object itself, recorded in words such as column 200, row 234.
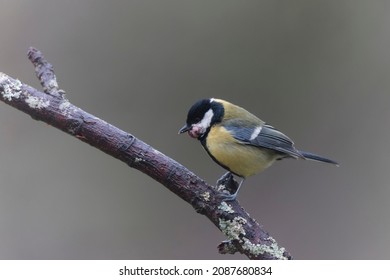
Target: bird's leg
column 230, row 197
column 226, row 179
column 228, row 183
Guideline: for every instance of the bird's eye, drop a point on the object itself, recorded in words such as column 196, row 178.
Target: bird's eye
column 197, row 119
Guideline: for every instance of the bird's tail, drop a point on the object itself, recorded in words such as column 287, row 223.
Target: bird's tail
column 315, row 157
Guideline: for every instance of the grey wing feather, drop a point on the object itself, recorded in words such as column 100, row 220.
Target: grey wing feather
column 268, row 137
column 273, row 139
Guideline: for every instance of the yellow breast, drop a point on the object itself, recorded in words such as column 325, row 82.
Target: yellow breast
column 241, row 159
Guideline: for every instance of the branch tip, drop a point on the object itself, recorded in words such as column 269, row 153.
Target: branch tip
column 45, row 73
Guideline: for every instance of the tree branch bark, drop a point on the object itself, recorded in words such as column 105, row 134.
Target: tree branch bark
column 244, row 234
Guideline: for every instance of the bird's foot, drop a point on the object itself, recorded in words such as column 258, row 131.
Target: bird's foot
column 227, row 184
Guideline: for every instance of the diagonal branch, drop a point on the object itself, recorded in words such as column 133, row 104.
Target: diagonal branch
column 244, row 234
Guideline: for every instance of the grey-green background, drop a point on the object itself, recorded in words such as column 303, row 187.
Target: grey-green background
column 317, row 70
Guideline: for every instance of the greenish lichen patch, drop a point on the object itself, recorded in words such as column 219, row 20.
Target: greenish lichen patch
column 205, row 196
column 258, row 249
column 36, row 102
column 233, row 229
column 10, row 89
column 221, row 188
column 138, row 159
column 66, row 108
column 225, row 207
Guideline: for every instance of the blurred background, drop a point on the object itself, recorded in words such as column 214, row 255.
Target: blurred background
column 317, row 70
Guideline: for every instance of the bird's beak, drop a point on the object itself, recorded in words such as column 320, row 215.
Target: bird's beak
column 185, row 128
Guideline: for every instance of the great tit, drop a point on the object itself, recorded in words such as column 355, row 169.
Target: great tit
column 238, row 140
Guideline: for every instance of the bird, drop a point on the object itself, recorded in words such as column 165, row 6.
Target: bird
column 239, row 141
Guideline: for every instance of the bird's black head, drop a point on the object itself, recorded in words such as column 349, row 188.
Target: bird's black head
column 201, row 116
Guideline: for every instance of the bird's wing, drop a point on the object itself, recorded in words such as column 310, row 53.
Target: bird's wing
column 264, row 136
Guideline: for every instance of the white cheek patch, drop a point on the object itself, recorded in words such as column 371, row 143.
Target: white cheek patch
column 206, row 121
column 255, row 132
